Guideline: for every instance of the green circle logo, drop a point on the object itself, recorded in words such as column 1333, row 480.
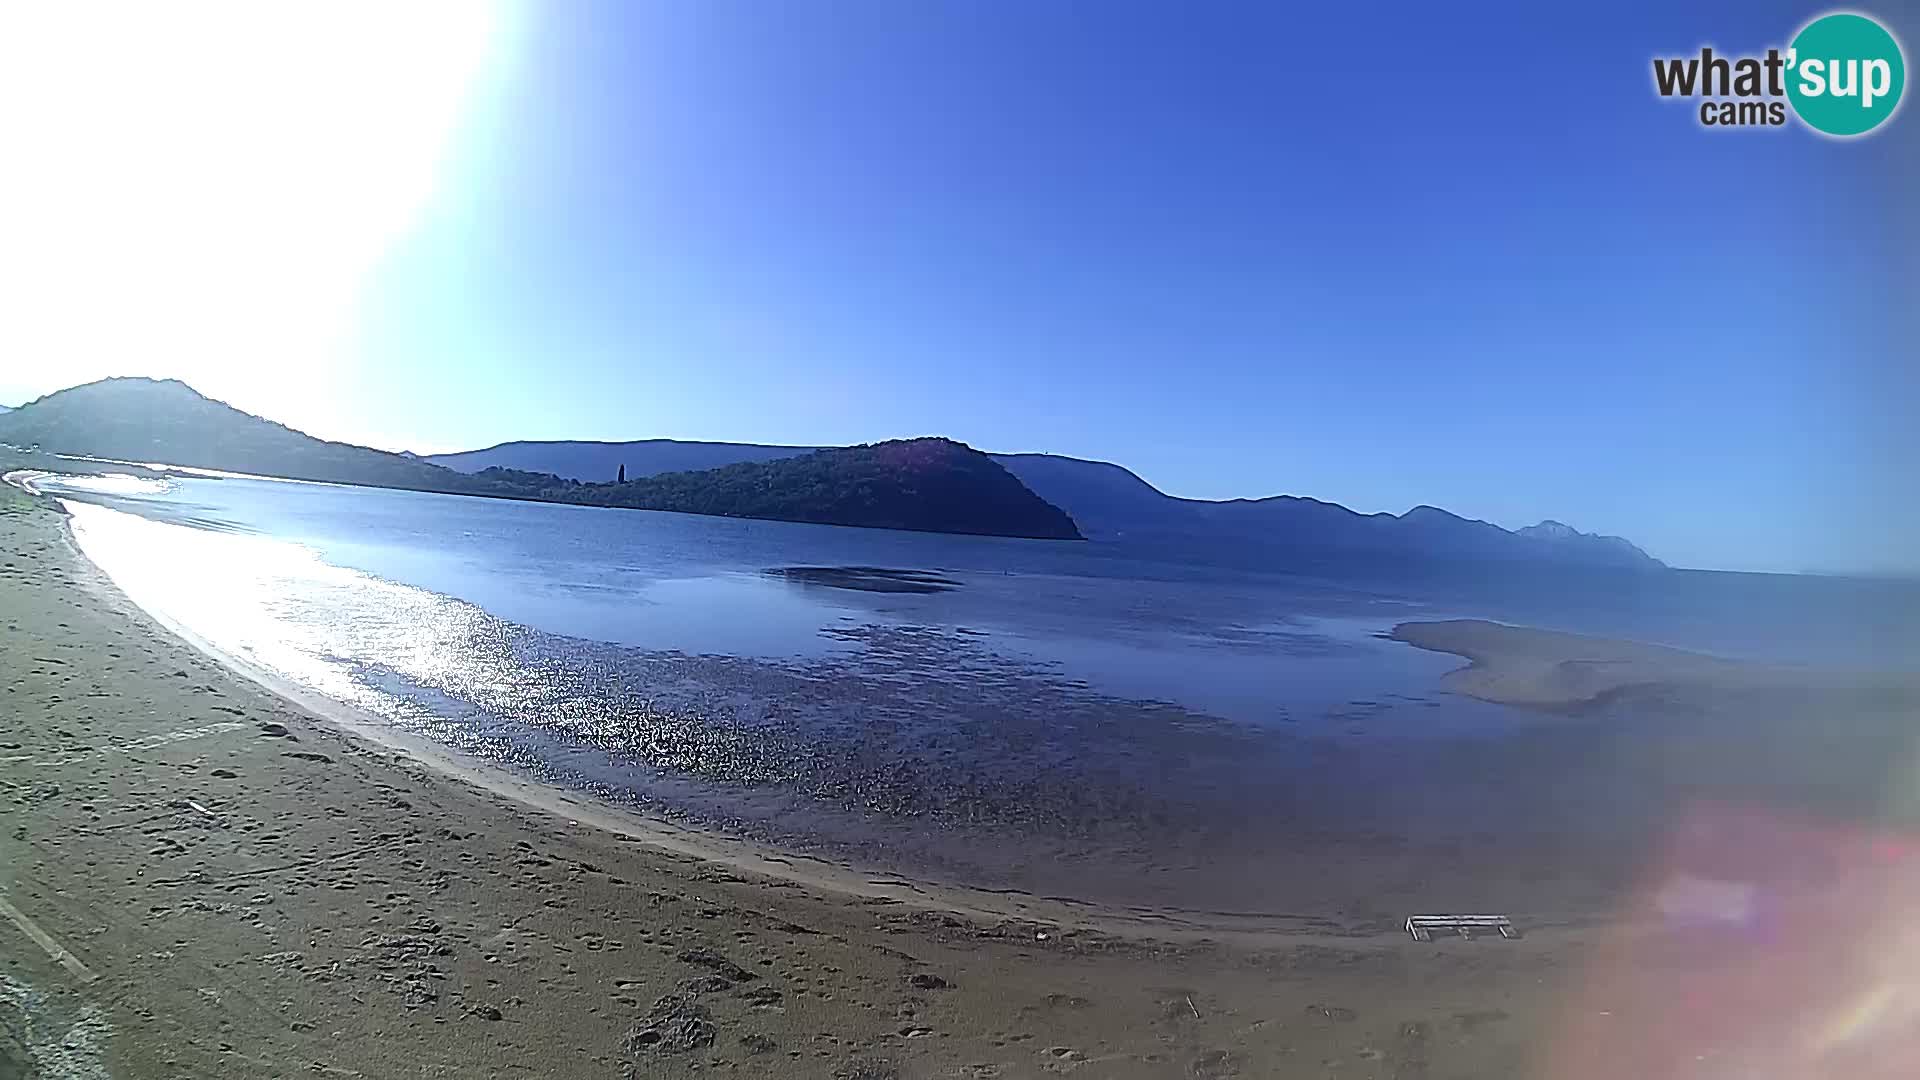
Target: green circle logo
column 1845, row 74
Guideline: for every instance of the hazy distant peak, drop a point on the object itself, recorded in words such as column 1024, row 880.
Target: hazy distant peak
column 1423, row 512
column 1549, row 530
column 517, row 444
column 1560, row 534
column 1103, row 507
column 594, row 462
column 1300, row 500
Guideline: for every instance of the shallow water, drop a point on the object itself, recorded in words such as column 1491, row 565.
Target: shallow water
column 1147, row 730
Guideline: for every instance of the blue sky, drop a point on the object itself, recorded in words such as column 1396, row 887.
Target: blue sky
column 1381, row 254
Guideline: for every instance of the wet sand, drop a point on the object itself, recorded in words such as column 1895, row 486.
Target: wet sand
column 1548, row 669
column 1649, row 733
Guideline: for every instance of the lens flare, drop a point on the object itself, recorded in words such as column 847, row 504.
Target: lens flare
column 1761, row 948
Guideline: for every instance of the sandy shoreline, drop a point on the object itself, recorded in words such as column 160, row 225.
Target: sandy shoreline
column 1556, row 671
column 1545, row 669
column 210, row 874
column 255, row 892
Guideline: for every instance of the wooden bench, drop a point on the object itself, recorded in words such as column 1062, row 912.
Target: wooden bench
column 1423, row 926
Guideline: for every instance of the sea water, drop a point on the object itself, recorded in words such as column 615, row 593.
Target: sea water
column 1187, row 726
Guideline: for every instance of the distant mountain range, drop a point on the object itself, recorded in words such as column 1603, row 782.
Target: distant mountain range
column 929, row 484
column 935, row 485
column 598, row 462
column 1108, row 502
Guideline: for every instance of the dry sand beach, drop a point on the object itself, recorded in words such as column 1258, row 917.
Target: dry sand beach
column 204, row 879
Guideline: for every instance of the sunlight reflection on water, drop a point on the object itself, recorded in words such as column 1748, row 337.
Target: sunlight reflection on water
column 888, row 725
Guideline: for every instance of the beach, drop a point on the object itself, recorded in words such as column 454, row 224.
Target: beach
column 957, row 542
column 205, row 877
column 234, row 886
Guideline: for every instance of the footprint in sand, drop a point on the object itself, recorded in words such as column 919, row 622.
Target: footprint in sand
column 760, row 997
column 1473, row 1021
column 1212, row 1065
column 758, row 1044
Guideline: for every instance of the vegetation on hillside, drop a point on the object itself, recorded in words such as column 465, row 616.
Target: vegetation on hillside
column 935, row 485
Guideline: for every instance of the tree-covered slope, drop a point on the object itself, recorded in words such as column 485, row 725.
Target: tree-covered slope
column 930, row 484
column 935, row 485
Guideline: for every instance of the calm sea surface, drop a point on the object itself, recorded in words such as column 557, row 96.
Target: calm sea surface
column 1155, row 726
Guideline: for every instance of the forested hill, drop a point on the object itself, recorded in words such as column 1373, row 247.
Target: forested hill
column 167, row 421
column 933, row 485
column 1110, row 502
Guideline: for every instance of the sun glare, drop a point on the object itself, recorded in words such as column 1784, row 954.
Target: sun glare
column 200, row 189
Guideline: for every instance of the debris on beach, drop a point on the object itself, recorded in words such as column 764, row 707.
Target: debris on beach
column 676, row 1024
